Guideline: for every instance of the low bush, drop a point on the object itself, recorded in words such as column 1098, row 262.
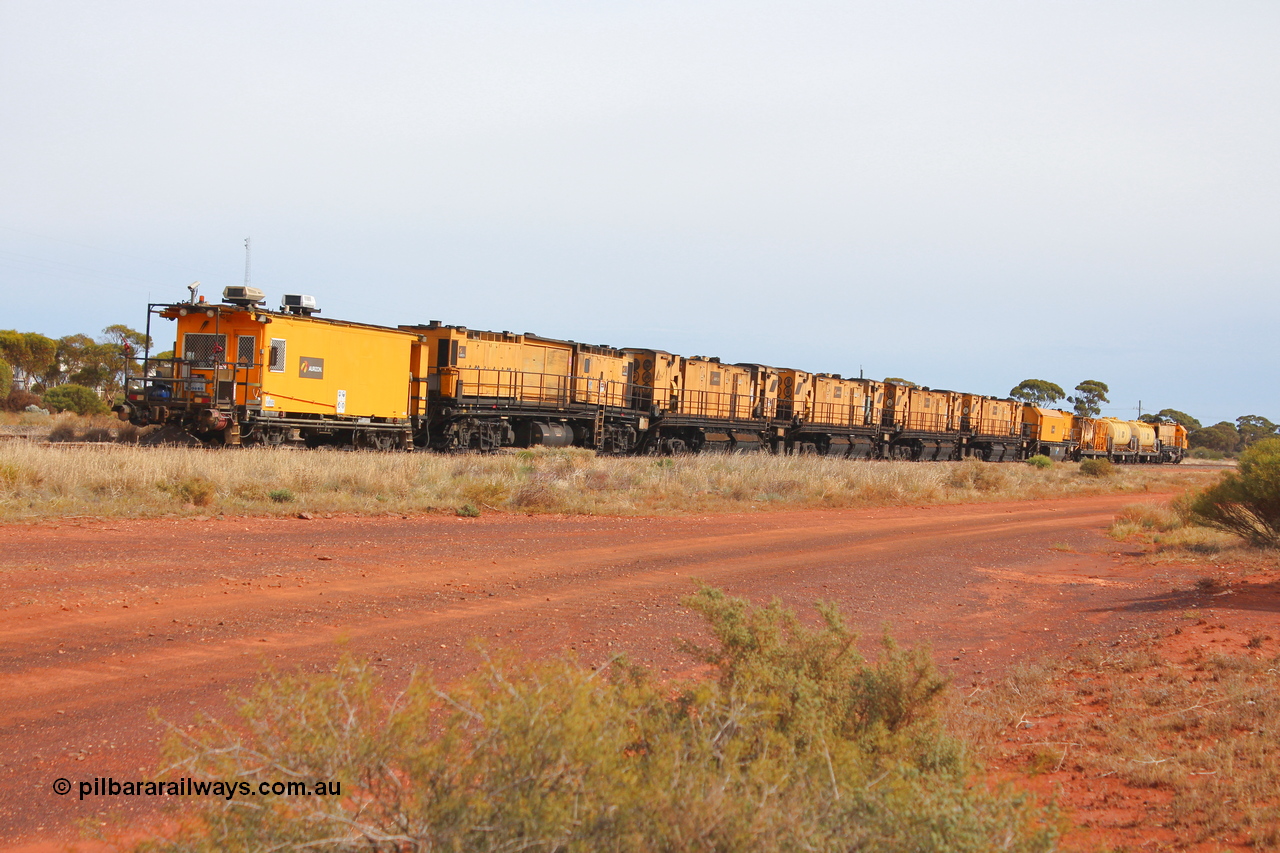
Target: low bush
column 796, row 744
column 280, row 496
column 1040, row 461
column 1098, row 468
column 18, row 400
column 63, row 430
column 1247, row 501
column 199, row 491
column 75, row 398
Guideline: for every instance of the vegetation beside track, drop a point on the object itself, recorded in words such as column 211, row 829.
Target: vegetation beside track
column 794, row 742
column 47, row 480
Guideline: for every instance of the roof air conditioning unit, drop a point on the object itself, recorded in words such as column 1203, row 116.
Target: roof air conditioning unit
column 300, row 304
column 238, row 294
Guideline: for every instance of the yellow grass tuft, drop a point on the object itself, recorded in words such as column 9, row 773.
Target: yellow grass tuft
column 48, row 479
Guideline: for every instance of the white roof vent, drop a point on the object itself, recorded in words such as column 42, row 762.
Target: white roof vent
column 300, row 304
column 238, row 294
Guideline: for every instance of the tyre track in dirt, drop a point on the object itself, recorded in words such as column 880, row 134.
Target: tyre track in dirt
column 104, row 620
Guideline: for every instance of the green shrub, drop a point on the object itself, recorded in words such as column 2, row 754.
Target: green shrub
column 469, row 511
column 75, row 398
column 798, row 744
column 1246, row 502
column 1206, row 453
column 1040, row 461
column 280, row 496
column 1097, row 468
column 6, row 378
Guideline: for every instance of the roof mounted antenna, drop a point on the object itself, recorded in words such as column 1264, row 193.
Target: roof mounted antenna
column 246, row 261
column 193, row 287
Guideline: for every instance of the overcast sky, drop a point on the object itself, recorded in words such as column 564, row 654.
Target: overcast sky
column 964, row 194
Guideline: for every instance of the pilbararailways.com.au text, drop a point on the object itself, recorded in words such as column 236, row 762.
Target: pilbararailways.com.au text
column 188, row 787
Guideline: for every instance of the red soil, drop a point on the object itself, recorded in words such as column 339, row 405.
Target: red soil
column 105, row 620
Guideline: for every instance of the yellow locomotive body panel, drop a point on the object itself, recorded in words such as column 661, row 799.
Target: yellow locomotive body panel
column 656, row 376
column 467, row 364
column 924, row 409
column 795, row 394
column 1172, row 435
column 990, row 416
column 840, row 402
column 291, row 364
column 766, row 385
column 712, row 389
column 1049, row 426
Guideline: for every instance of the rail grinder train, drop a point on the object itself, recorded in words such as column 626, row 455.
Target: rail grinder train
column 240, row 374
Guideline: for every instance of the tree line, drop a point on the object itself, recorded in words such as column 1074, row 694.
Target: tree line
column 74, row 373
column 1223, row 437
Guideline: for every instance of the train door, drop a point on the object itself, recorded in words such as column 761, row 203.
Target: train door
column 247, row 370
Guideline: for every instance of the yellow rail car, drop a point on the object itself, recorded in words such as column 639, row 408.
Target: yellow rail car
column 992, row 427
column 1172, row 442
column 1105, row 438
column 1049, row 432
column 926, row 422
column 244, row 375
column 483, row 390
column 1145, row 446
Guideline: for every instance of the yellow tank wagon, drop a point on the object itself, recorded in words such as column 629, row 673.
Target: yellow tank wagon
column 1049, row 432
column 483, row 390
column 1106, row 438
column 244, row 375
column 1144, row 443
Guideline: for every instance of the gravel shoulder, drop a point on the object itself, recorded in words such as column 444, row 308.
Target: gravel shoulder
column 106, row 620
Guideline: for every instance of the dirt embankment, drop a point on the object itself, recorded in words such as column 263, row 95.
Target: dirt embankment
column 106, row 620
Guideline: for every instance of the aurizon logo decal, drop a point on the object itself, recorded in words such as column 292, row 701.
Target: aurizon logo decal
column 310, row 368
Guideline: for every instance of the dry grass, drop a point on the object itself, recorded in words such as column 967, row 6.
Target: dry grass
column 1170, row 532
column 40, row 480
column 1200, row 729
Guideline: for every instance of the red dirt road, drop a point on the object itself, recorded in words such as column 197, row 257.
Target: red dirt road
column 105, row 620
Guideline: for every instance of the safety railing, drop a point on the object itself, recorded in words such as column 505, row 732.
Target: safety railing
column 478, row 385
column 992, row 426
column 170, row 381
column 850, row 415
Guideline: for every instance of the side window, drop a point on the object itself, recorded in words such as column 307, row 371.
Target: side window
column 715, row 377
column 204, row 350
column 245, row 350
column 839, row 392
column 586, row 365
column 277, row 355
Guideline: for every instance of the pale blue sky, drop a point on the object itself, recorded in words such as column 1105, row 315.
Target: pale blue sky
column 963, row 194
